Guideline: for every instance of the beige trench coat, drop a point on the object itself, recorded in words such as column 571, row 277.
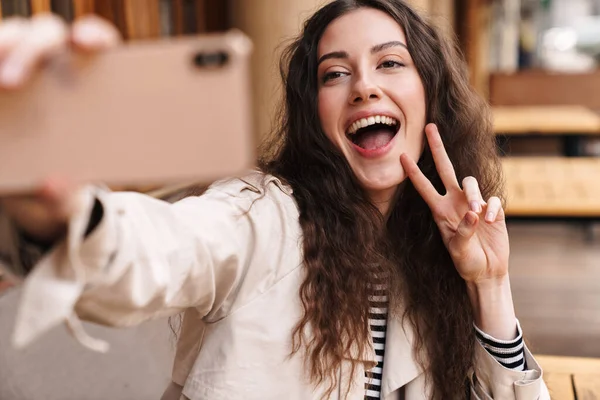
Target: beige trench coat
column 237, row 274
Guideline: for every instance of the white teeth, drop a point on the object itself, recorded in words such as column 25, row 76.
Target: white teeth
column 376, row 119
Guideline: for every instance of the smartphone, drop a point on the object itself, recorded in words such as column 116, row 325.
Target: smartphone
column 145, row 113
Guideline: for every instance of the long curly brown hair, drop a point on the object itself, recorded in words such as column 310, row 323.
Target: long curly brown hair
column 347, row 242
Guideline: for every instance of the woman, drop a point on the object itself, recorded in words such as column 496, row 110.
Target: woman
column 343, row 269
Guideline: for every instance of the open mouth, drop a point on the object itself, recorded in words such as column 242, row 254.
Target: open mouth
column 373, row 132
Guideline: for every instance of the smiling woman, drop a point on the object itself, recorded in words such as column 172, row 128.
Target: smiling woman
column 367, row 258
column 365, row 76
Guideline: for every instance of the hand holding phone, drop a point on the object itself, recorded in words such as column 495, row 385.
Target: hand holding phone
column 24, row 45
column 145, row 113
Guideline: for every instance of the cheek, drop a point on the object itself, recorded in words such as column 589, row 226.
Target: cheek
column 412, row 100
column 415, row 95
column 329, row 111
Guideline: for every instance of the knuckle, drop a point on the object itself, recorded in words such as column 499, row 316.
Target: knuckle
column 457, row 252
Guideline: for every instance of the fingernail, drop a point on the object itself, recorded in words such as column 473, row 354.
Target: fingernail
column 11, row 74
column 87, row 33
column 470, row 219
column 489, row 217
column 475, row 206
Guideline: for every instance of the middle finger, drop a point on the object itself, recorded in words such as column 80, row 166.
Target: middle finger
column 46, row 35
column 473, row 194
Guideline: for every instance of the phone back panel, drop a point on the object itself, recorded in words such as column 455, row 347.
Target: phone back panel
column 147, row 113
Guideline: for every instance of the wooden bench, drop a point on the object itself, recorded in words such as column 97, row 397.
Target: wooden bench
column 571, row 378
column 546, row 120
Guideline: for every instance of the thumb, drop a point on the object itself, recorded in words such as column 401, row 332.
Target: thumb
column 466, row 229
column 58, row 194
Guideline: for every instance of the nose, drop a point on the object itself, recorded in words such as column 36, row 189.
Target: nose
column 363, row 90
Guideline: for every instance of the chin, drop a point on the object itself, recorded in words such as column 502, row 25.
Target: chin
column 377, row 181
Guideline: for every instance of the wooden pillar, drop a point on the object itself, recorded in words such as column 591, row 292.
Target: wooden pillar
column 112, row 10
column 422, row 6
column 142, row 19
column 476, row 37
column 177, row 17
column 40, row 6
column 83, row 7
column 442, row 14
column 268, row 23
column 202, row 17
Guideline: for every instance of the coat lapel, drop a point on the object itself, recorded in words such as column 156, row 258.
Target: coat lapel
column 399, row 363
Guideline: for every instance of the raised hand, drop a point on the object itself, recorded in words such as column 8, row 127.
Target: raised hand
column 473, row 229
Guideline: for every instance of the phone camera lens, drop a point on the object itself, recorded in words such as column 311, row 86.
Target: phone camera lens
column 211, row 60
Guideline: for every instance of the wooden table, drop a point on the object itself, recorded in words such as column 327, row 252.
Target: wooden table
column 552, row 186
column 571, row 378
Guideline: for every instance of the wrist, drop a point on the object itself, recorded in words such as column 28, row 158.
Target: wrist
column 493, row 308
column 489, row 285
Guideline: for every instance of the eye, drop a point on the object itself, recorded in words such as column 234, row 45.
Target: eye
column 333, row 75
column 390, row 64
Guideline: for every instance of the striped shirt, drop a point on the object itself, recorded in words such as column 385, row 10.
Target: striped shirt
column 378, row 311
column 509, row 353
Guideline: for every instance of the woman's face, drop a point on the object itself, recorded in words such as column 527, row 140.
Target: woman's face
column 371, row 98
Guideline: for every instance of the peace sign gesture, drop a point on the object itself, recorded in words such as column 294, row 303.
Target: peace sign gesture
column 479, row 249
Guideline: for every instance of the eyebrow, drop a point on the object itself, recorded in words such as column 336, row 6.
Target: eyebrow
column 374, row 49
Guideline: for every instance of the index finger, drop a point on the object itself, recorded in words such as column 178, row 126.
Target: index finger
column 443, row 165
column 419, row 180
column 92, row 33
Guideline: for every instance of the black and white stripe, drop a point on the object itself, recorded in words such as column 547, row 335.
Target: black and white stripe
column 378, row 312
column 509, row 353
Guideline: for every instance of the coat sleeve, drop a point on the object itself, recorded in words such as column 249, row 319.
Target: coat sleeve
column 145, row 259
column 492, row 381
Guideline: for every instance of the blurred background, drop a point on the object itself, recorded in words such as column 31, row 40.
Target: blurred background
column 535, row 61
